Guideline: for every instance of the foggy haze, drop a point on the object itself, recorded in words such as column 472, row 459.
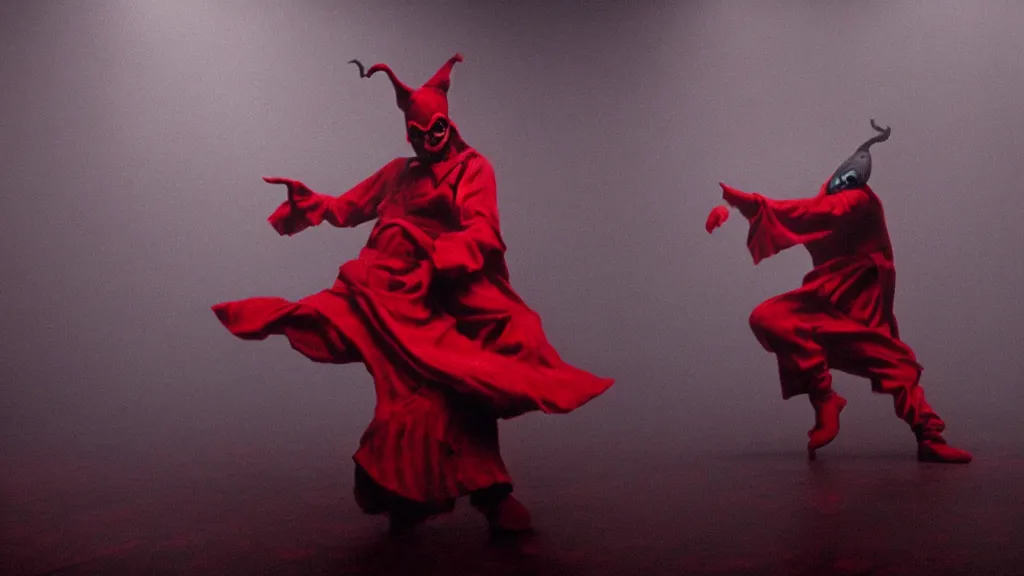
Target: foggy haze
column 134, row 135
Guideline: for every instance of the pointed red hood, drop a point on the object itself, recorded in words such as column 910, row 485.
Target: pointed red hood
column 425, row 104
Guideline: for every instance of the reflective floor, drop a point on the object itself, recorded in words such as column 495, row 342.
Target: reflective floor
column 241, row 511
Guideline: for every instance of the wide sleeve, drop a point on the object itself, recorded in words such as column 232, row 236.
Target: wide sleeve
column 478, row 236
column 776, row 225
column 358, row 205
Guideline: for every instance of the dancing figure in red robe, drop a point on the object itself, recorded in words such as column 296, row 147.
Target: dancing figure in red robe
column 428, row 309
column 842, row 316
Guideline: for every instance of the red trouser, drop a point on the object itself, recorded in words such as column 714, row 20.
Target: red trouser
column 809, row 337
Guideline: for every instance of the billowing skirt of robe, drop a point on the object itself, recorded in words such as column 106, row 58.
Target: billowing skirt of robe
column 433, row 436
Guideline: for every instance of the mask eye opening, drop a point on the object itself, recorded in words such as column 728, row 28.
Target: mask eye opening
column 850, row 178
column 439, row 126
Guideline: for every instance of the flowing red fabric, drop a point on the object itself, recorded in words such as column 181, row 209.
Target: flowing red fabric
column 427, row 307
column 842, row 315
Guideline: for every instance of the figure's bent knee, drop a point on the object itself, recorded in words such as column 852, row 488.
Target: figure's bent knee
column 771, row 324
column 765, row 318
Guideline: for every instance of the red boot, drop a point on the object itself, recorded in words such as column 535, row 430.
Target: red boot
column 936, row 450
column 507, row 516
column 826, row 421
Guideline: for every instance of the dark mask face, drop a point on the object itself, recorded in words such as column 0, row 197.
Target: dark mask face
column 429, row 144
column 852, row 173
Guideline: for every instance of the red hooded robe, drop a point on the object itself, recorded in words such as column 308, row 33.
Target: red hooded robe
column 441, row 380
column 842, row 315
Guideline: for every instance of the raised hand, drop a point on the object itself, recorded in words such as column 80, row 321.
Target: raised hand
column 291, row 217
column 717, row 217
column 296, row 190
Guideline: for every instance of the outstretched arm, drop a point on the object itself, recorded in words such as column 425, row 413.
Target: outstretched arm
column 776, row 225
column 467, row 250
column 305, row 208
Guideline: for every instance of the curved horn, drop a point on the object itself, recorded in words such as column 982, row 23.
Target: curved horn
column 362, row 69
column 442, row 78
column 882, row 136
column 402, row 92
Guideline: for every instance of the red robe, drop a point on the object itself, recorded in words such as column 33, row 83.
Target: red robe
column 842, row 316
column 435, row 249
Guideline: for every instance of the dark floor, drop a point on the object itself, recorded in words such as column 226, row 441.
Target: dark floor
column 849, row 513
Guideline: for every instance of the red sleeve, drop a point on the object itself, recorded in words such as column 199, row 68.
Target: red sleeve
column 479, row 235
column 780, row 224
column 352, row 208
